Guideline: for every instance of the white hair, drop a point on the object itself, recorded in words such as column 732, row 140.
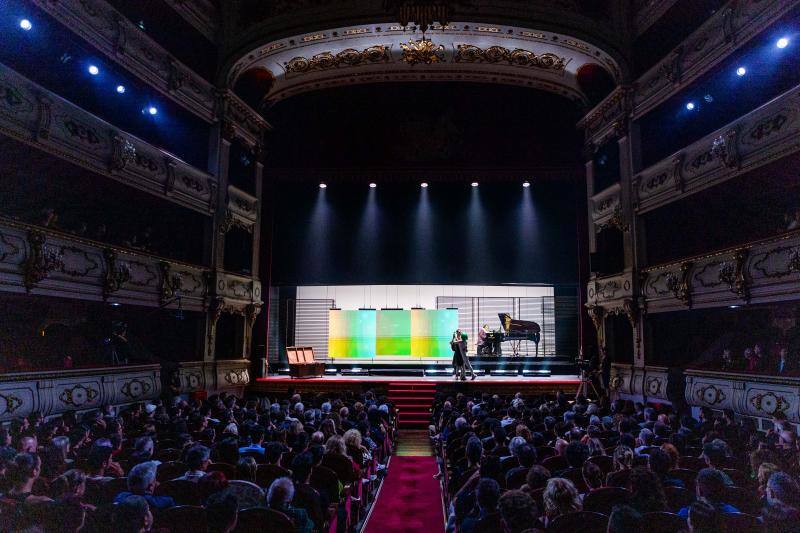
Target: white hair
column 283, row 488
column 515, row 443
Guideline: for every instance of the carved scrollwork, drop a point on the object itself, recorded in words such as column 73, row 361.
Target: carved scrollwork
column 171, row 282
column 7, row 248
column 135, row 388
column 88, row 266
column 422, row 51
column 123, row 152
column 237, row 377
column 9, row 403
column 769, row 403
column 117, row 273
column 733, row 274
column 78, row 396
column 616, row 221
column 653, row 386
column 679, row 283
column 349, row 57
column 468, row 53
column 726, row 148
column 616, row 382
column 710, row 394
column 41, row 260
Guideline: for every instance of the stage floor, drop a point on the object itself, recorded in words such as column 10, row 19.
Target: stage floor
column 551, row 380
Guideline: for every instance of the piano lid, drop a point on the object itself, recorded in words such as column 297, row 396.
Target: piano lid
column 511, row 325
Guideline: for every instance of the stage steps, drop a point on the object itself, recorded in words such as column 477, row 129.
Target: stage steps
column 414, row 401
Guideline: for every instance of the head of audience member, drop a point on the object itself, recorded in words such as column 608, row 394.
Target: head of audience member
column 133, row 515
column 474, row 451
column 222, row 511
column 714, row 453
column 710, row 486
column 576, row 454
column 560, row 497
column 142, row 478
column 765, row 471
column 623, row 458
column 518, row 511
column 537, row 477
column 280, row 493
column 526, row 454
column 703, row 518
column 487, row 495
column 143, row 449
column 70, row 484
column 23, row 471
column 273, row 452
column 648, row 493
column 227, row 450
column 592, row 475
column 335, row 446
column 198, row 458
column 660, row 463
column 246, row 469
column 301, row 467
column 624, row 519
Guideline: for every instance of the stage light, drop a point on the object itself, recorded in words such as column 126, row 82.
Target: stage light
column 25, row 24
column 474, row 184
column 93, row 70
column 373, row 185
column 526, row 183
column 424, row 184
column 733, row 306
column 741, row 71
column 708, row 98
column 323, row 185
column 115, row 304
column 121, row 89
column 783, row 42
column 152, row 110
column 690, row 106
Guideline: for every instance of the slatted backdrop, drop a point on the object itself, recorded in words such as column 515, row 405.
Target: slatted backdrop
column 311, row 325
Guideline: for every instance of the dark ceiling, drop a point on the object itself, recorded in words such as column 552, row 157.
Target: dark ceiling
column 424, row 125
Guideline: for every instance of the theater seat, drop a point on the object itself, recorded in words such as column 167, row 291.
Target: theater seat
column 170, row 470
column 692, row 463
column 555, row 463
column 604, row 499
column 747, row 501
column 183, row 491
column 225, row 468
column 580, row 522
column 687, row 476
column 663, row 523
column 741, row 523
column 604, row 462
column 248, row 494
column 263, row 519
column 678, row 498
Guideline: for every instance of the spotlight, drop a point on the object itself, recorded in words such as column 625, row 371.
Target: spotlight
column 25, row 24
column 121, row 89
column 152, row 110
column 424, row 184
column 783, row 42
column 373, row 185
column 474, row 183
column 741, row 71
column 690, row 106
column 323, row 186
column 93, row 70
column 526, row 183
column 115, row 304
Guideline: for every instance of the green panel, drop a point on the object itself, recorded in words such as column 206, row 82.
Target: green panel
column 431, row 331
column 351, row 334
column 394, row 333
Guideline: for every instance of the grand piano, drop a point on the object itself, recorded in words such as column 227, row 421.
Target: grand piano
column 514, row 331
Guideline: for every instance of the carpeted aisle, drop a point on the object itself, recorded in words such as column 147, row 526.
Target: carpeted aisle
column 410, row 499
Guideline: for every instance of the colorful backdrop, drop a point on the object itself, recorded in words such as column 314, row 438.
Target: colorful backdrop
column 391, row 333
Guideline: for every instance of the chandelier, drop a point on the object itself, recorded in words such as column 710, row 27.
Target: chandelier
column 422, row 12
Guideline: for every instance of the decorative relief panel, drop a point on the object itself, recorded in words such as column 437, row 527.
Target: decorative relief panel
column 759, row 272
column 349, row 57
column 233, row 374
column 608, row 118
column 242, row 210
column 122, row 41
column 760, row 137
column 84, row 139
column 608, row 292
column 43, row 260
column 725, row 31
column 605, row 205
column 745, row 394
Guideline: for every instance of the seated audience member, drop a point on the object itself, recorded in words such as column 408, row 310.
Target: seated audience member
column 197, row 459
column 487, row 518
column 624, row 519
column 560, row 497
column 55, row 457
column 256, row 442
column 71, row 485
column 592, row 476
column 765, row 471
column 227, row 451
column 23, row 471
column 246, row 469
column 474, row 452
column 211, row 483
column 576, row 454
column 783, row 499
column 132, row 515
column 711, row 489
column 623, row 461
column 97, row 462
column 647, row 492
column 715, row 455
column 526, row 455
column 661, row 463
column 645, row 441
column 222, row 512
column 142, row 482
column 279, row 498
column 305, row 496
column 143, row 450
column 518, row 511
column 781, row 427
column 703, row 518
column 536, row 479
column 783, row 365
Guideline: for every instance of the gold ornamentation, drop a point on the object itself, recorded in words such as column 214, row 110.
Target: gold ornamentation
column 616, row 382
column 117, row 273
column 726, row 147
column 653, row 386
column 616, row 220
column 469, row 53
column 422, row 51
column 679, row 285
column 41, row 260
column 769, row 402
column 734, row 275
column 346, row 58
column 9, row 403
column 123, row 152
column 135, row 388
column 78, row 395
column 710, row 394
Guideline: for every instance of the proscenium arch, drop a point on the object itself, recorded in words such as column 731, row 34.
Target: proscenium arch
column 460, row 51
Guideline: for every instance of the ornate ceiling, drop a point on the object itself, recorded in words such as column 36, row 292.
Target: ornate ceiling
column 460, row 51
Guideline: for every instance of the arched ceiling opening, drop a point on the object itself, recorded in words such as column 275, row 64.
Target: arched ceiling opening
column 460, row 51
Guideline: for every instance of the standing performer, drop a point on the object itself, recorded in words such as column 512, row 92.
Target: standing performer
column 460, row 360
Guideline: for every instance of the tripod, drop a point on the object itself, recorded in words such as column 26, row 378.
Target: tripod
column 586, row 384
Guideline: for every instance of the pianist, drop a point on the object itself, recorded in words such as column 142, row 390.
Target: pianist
column 482, row 333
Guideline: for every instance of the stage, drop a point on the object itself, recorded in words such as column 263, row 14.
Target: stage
column 282, row 385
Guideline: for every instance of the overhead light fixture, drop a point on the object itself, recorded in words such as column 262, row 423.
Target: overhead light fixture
column 690, row 106
column 121, row 89
column 424, row 184
column 783, row 42
column 373, row 185
column 93, row 70
column 733, row 306
column 741, row 71
column 526, row 183
column 323, row 185
column 25, row 24
column 474, row 183
column 152, row 110
column 708, row 98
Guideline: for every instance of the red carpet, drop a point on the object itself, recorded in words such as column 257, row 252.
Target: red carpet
column 413, row 400
column 410, row 499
